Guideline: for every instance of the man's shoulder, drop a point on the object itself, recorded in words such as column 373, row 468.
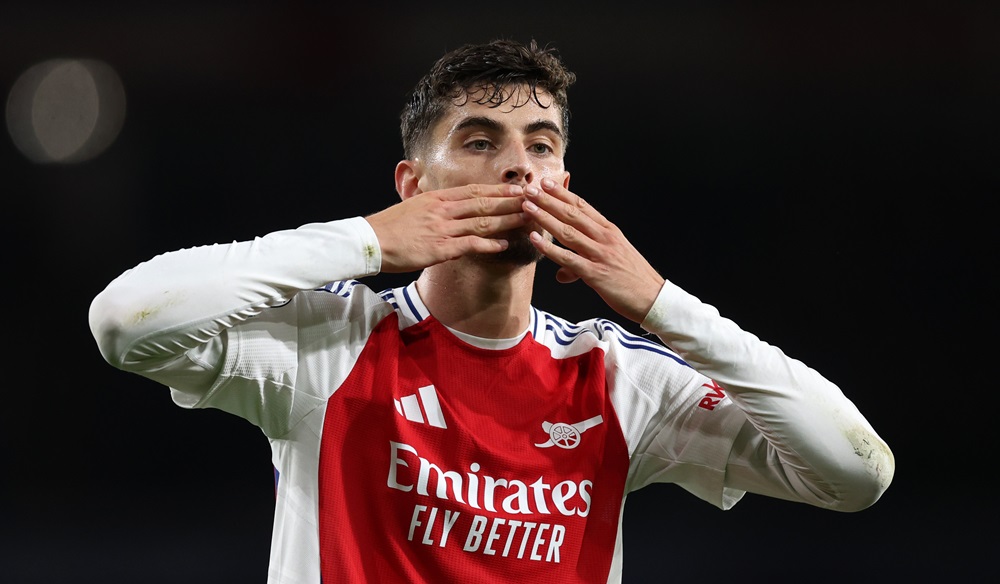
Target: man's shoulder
column 608, row 335
column 342, row 300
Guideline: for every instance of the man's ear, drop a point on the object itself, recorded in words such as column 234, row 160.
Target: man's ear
column 407, row 178
column 566, row 180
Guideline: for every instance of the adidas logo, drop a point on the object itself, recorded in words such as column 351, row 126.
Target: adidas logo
column 423, row 407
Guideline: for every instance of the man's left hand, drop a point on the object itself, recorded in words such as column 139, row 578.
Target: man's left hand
column 596, row 251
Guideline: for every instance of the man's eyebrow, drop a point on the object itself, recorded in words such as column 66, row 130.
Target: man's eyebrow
column 543, row 125
column 479, row 122
column 491, row 124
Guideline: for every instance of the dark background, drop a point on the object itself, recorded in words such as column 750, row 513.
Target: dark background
column 824, row 174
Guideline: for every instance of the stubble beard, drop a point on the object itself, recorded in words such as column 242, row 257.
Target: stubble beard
column 520, row 251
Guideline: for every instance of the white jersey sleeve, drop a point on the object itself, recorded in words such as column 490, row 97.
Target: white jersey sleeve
column 168, row 319
column 803, row 439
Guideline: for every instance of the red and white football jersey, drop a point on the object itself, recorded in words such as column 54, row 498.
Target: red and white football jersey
column 408, row 452
column 430, row 456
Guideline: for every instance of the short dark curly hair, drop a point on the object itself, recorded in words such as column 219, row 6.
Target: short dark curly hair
column 490, row 73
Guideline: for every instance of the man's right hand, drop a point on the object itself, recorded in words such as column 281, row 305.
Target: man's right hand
column 437, row 226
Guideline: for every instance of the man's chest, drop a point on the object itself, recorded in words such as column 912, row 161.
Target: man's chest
column 501, row 456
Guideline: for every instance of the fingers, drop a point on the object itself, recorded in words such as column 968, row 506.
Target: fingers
column 592, row 247
column 488, row 225
column 482, row 210
column 441, row 225
column 570, row 220
column 478, row 200
column 476, row 191
column 593, row 250
column 572, row 264
column 479, row 245
column 567, row 207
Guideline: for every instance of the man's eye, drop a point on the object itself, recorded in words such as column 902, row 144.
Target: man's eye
column 480, row 144
column 541, row 148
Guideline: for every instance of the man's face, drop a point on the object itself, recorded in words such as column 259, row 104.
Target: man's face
column 518, row 142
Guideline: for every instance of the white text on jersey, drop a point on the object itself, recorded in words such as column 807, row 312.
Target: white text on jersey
column 515, row 496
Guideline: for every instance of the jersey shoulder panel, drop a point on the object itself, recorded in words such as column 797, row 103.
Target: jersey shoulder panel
column 285, row 361
column 567, row 338
column 655, row 392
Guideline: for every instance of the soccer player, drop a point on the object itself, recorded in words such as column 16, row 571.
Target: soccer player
column 448, row 430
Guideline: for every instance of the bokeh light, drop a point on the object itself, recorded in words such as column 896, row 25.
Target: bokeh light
column 66, row 110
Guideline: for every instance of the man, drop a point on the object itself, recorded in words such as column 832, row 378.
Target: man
column 449, row 431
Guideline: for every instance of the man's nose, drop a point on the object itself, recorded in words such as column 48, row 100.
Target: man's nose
column 517, row 169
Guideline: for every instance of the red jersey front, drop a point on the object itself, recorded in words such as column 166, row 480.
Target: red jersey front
column 445, row 462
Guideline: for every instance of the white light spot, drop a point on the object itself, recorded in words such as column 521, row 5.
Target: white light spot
column 66, row 110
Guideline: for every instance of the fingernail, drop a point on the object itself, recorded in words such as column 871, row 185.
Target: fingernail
column 530, row 206
column 548, row 183
column 531, row 189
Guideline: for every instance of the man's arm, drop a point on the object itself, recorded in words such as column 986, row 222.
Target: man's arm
column 179, row 300
column 807, row 441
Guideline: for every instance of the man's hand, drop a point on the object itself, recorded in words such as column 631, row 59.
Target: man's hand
column 437, row 226
column 595, row 251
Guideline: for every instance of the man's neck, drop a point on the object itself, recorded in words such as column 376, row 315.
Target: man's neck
column 477, row 298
